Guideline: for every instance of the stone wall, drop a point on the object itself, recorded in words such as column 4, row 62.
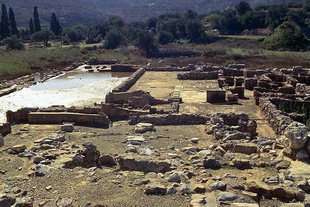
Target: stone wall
column 137, row 99
column 20, row 116
column 5, row 129
column 170, row 119
column 100, row 120
column 127, row 84
column 232, row 72
column 124, row 68
column 276, row 118
column 198, row 75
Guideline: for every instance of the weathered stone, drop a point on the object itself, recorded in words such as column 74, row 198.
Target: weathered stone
column 24, row 202
column 177, row 177
column 27, row 154
column 67, row 128
column 297, row 133
column 184, row 189
column 171, row 190
column 143, row 164
column 17, row 149
column 244, row 205
column 246, row 148
column 135, row 140
column 204, row 153
column 235, row 136
column 283, row 165
column 241, row 163
column 302, row 155
column 6, row 200
column 144, row 127
column 107, row 160
column 155, row 189
column 198, row 188
column 227, row 196
column 42, row 170
column 1, row 141
column 218, row 186
column 292, row 205
column 212, row 163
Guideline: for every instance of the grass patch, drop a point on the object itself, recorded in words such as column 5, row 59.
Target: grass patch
column 18, row 63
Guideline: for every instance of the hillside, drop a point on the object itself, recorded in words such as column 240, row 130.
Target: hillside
column 91, row 11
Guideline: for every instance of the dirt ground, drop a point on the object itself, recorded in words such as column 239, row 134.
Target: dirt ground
column 193, row 92
column 112, row 187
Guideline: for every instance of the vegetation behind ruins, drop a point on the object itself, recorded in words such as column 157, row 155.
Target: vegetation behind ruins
column 264, row 36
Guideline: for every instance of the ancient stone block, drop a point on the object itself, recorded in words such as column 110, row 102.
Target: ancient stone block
column 216, row 96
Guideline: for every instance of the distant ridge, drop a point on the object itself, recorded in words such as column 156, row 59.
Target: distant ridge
column 91, row 11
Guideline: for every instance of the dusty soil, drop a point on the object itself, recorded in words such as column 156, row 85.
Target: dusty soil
column 109, row 186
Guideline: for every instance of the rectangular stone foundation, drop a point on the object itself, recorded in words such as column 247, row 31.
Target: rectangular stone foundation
column 61, row 117
column 5, row 129
column 216, row 96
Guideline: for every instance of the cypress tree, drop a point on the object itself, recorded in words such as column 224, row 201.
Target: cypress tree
column 4, row 24
column 36, row 20
column 13, row 26
column 31, row 26
column 55, row 26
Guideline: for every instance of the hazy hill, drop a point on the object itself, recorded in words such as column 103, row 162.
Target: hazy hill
column 91, row 11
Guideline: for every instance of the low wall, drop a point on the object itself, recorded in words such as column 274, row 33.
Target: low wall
column 232, row 72
column 127, row 84
column 124, row 68
column 5, row 129
column 100, row 120
column 115, row 112
column 170, row 69
column 197, row 75
column 276, row 118
column 169, row 119
column 20, row 116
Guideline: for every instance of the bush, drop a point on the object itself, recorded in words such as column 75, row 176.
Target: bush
column 165, row 37
column 76, row 33
column 146, row 42
column 42, row 36
column 13, row 43
column 287, row 36
column 113, row 39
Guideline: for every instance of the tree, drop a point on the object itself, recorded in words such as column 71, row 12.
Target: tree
column 31, row 26
column 12, row 21
column 113, row 39
column 76, row 33
column 42, row 36
column 146, row 42
column 13, row 43
column 4, row 24
column 253, row 19
column 116, row 21
column 243, row 7
column 195, row 31
column 276, row 15
column 36, row 20
column 287, row 36
column 55, row 26
column 165, row 37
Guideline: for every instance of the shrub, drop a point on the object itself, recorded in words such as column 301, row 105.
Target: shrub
column 113, row 39
column 165, row 37
column 76, row 33
column 13, row 43
column 287, row 36
column 42, row 36
column 146, row 42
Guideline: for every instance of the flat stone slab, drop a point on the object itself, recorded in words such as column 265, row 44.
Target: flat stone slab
column 135, row 139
